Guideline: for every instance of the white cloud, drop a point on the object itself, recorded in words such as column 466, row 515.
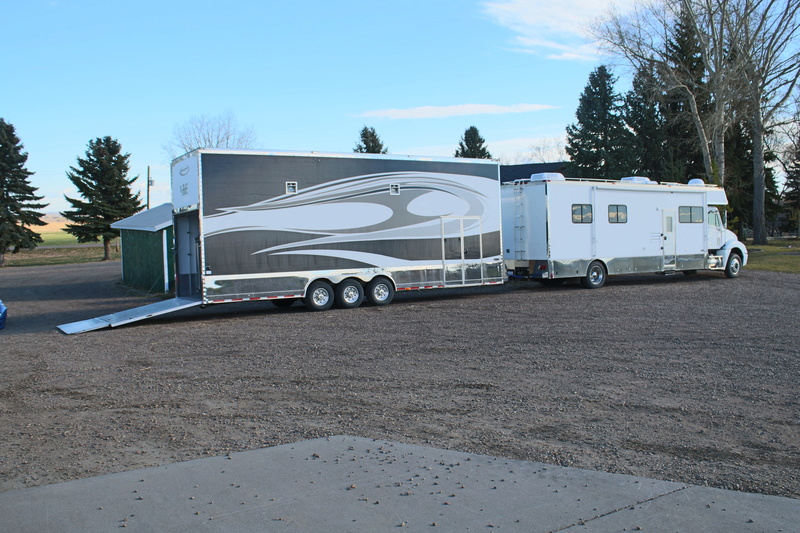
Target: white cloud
column 454, row 111
column 556, row 30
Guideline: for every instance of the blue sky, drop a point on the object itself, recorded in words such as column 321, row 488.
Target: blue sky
column 305, row 75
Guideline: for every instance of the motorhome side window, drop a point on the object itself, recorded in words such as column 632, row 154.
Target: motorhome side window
column 618, row 214
column 690, row 214
column 581, row 213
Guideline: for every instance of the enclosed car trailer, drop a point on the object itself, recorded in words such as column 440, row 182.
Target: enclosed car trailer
column 325, row 229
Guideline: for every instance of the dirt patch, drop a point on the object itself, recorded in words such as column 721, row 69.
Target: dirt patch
column 690, row 379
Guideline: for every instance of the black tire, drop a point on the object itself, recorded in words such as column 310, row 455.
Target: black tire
column 734, row 266
column 319, row 296
column 349, row 294
column 380, row 291
column 595, row 276
column 283, row 303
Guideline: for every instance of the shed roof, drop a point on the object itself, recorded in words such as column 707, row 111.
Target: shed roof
column 154, row 219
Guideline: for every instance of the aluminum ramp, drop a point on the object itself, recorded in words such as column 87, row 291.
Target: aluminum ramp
column 131, row 315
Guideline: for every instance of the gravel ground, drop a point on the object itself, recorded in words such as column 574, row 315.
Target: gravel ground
column 690, row 379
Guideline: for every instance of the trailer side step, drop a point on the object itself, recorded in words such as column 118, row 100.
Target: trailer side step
column 131, row 315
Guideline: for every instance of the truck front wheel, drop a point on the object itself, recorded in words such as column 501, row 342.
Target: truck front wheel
column 734, row 266
column 319, row 296
column 595, row 276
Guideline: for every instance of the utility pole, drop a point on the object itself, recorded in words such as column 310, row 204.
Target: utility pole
column 149, row 183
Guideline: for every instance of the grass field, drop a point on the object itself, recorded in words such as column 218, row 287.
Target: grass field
column 780, row 255
column 53, row 234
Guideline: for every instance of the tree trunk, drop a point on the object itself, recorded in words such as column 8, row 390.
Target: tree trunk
column 106, row 249
column 759, row 189
column 719, row 158
column 2, row 258
column 701, row 134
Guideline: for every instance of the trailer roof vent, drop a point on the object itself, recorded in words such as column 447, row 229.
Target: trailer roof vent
column 697, row 181
column 547, row 176
column 636, row 179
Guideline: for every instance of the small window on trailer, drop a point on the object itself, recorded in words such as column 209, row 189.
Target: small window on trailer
column 581, row 213
column 690, row 214
column 618, row 214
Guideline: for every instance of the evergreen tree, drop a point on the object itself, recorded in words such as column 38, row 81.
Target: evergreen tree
column 599, row 144
column 370, row 143
column 643, row 115
column 106, row 190
column 18, row 203
column 739, row 178
column 683, row 156
column 472, row 145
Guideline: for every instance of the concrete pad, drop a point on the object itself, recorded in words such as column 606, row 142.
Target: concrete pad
column 360, row 485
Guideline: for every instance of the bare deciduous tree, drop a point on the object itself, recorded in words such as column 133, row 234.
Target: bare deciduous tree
column 752, row 59
column 205, row 131
column 766, row 45
column 641, row 37
column 548, row 150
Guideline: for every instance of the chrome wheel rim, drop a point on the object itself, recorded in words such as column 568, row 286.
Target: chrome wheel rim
column 381, row 292
column 320, row 297
column 596, row 275
column 350, row 294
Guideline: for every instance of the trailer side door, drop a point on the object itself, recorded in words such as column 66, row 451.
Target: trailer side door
column 462, row 250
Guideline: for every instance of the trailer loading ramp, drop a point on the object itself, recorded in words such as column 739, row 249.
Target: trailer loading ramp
column 131, row 315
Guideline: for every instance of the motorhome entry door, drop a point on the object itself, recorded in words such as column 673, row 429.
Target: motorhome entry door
column 668, row 239
column 462, row 250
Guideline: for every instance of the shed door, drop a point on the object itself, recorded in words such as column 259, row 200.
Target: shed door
column 668, row 244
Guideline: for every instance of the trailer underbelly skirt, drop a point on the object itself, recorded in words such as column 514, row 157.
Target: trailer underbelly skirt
column 557, row 269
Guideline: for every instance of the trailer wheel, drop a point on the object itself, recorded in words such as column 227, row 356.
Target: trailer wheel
column 734, row 266
column 380, row 291
column 319, row 296
column 595, row 276
column 349, row 294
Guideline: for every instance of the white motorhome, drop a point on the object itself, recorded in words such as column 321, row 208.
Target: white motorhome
column 556, row 228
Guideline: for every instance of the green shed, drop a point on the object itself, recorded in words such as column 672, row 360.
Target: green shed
column 147, row 249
